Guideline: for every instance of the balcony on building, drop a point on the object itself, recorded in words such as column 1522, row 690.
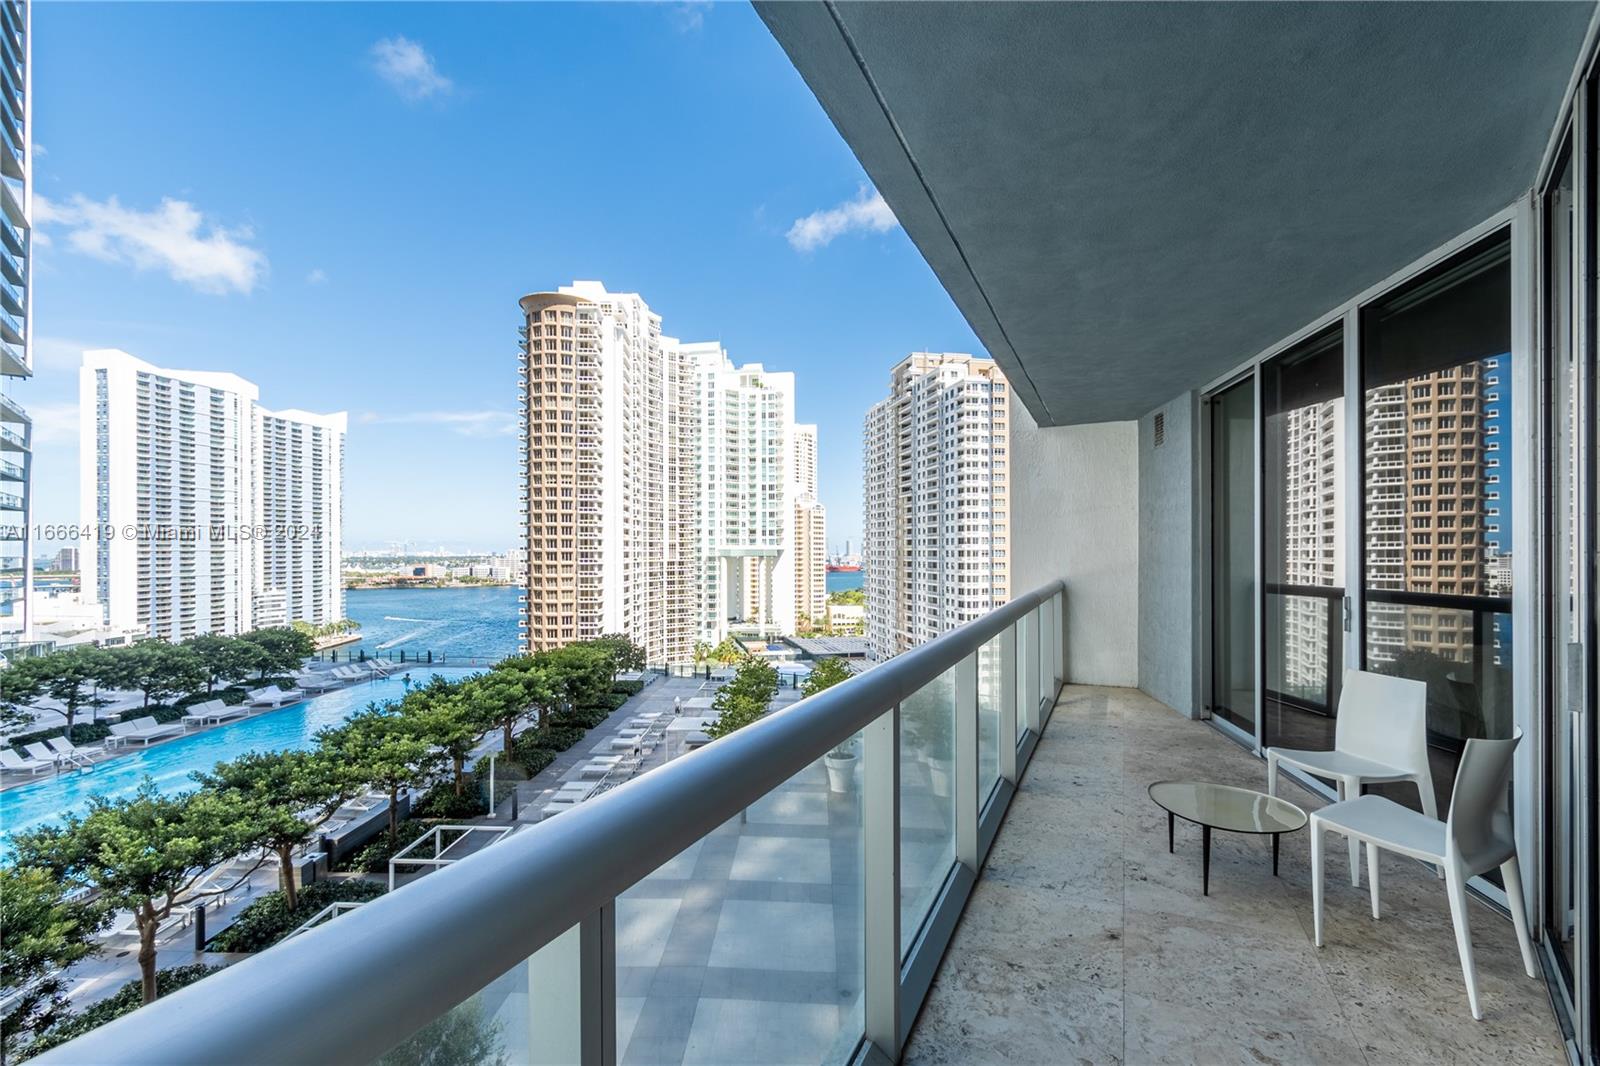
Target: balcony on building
column 1198, row 240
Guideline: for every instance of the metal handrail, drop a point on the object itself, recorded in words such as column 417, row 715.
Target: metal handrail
column 348, row 991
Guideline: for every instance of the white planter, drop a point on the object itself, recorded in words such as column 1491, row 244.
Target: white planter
column 841, row 772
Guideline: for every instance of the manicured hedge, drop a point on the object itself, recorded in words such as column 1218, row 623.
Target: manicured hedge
column 441, row 802
column 628, row 688
column 374, row 858
column 126, row 1000
column 269, row 919
column 532, row 759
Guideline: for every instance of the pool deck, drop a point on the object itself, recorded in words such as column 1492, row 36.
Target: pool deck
column 15, row 780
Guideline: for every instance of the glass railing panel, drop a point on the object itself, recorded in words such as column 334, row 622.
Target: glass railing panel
column 530, row 1014
column 1047, row 665
column 990, row 693
column 748, row 946
column 1019, row 675
column 927, row 800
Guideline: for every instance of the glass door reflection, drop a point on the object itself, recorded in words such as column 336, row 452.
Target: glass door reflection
column 1302, row 500
column 1233, row 563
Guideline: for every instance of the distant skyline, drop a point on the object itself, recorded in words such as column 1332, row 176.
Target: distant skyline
column 352, row 232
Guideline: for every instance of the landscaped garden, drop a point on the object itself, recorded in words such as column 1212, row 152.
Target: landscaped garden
column 147, row 857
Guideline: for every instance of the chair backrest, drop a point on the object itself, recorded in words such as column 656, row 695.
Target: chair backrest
column 10, row 758
column 147, row 722
column 1480, row 806
column 122, row 729
column 38, row 751
column 61, row 745
column 1384, row 719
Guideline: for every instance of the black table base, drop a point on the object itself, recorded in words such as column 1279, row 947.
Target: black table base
column 1205, row 852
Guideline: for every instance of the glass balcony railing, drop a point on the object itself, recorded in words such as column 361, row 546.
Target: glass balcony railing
column 786, row 892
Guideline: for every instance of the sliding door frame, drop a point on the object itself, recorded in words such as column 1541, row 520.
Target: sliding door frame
column 1573, row 992
column 1517, row 217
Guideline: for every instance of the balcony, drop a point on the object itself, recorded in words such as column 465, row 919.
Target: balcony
column 1086, row 941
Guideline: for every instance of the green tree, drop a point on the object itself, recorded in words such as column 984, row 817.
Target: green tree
column 537, row 685
column 19, row 687
column 728, row 652
column 283, row 646
column 224, row 659
column 447, row 722
column 146, row 853
column 156, row 669
column 285, row 795
column 855, row 596
column 702, row 651
column 382, row 749
column 70, row 677
column 624, row 652
column 500, row 698
column 825, row 673
column 44, row 934
column 745, row 698
column 581, row 674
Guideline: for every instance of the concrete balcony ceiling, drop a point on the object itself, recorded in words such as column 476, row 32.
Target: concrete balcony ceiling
column 1126, row 200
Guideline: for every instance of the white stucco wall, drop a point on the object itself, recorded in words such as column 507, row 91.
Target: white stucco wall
column 1075, row 515
column 1169, row 559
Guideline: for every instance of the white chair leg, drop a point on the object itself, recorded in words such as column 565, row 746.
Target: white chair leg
column 1430, row 804
column 1352, row 789
column 1372, row 876
column 1316, row 881
column 1511, row 874
column 1455, row 885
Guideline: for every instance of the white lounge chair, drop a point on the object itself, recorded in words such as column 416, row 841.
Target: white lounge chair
column 67, row 751
column 142, row 731
column 318, row 681
column 274, row 696
column 37, row 750
column 11, row 762
column 213, row 711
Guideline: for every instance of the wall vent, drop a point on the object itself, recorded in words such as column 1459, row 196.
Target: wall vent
column 1161, row 427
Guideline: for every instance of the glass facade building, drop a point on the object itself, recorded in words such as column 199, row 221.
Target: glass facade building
column 16, row 347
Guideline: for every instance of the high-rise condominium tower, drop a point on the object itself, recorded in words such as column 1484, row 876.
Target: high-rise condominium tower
column 659, row 491
column 299, row 487
column 937, row 500
column 1432, row 513
column 213, row 515
column 16, row 318
column 810, row 531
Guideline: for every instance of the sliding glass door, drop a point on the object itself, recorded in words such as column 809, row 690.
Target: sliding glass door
column 1436, row 455
column 1302, row 497
column 1233, row 556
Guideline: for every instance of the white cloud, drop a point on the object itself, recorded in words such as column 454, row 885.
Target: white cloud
column 409, row 69
column 465, row 423
column 53, row 423
column 317, row 277
column 174, row 237
column 690, row 17
column 866, row 213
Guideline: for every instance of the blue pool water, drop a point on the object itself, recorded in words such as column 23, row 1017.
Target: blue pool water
column 169, row 765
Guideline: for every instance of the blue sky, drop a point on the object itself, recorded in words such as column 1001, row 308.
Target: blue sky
column 343, row 203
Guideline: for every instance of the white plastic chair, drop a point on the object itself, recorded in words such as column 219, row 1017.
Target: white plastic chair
column 1477, row 838
column 1380, row 734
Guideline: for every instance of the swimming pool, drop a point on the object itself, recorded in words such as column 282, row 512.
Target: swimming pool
column 43, row 802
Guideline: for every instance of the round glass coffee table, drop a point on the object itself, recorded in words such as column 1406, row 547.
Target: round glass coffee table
column 1228, row 808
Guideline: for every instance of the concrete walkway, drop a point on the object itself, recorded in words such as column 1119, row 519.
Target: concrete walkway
column 1085, row 941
